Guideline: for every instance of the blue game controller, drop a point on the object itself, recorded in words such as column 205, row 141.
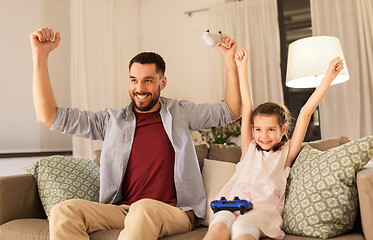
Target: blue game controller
column 234, row 205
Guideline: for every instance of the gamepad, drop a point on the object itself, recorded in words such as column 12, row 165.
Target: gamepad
column 212, row 39
column 234, row 205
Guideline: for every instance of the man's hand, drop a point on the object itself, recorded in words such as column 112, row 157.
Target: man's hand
column 230, row 47
column 232, row 88
column 335, row 67
column 43, row 41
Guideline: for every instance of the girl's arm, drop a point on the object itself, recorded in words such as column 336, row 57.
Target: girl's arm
column 335, row 67
column 247, row 106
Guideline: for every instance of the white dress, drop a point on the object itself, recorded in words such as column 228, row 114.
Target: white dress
column 260, row 177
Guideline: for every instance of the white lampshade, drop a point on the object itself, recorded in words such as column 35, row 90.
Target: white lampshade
column 309, row 59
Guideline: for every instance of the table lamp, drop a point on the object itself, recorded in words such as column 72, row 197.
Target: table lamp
column 308, row 60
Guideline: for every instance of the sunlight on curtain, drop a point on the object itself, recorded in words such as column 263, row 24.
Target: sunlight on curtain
column 347, row 109
column 98, row 64
column 254, row 25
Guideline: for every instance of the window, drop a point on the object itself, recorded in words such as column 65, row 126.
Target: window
column 294, row 24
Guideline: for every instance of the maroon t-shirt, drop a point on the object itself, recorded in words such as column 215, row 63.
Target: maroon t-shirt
column 150, row 169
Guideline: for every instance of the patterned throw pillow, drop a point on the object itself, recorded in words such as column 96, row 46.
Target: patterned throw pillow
column 321, row 198
column 60, row 178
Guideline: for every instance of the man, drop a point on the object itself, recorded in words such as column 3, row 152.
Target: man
column 150, row 181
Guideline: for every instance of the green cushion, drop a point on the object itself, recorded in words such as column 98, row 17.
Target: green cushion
column 321, row 197
column 60, row 178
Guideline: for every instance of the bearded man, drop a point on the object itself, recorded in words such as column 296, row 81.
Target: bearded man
column 150, row 181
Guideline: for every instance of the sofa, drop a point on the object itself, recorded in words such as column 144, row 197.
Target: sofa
column 22, row 215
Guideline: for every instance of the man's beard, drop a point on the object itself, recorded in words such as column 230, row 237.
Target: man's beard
column 150, row 105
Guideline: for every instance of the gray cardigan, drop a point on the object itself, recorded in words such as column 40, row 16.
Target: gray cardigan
column 117, row 128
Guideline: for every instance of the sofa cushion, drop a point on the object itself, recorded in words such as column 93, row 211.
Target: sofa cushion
column 196, row 234
column 25, row 229
column 60, row 178
column 364, row 180
column 32, row 229
column 19, row 198
column 215, row 175
column 202, row 151
column 321, row 199
column 226, row 153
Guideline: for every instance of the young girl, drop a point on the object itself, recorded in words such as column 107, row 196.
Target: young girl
column 266, row 158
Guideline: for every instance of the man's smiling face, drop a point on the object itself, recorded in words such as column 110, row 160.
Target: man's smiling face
column 145, row 87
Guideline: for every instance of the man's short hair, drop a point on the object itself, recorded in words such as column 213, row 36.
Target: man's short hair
column 150, row 57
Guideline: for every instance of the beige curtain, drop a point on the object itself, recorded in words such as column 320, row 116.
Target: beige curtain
column 254, row 24
column 98, row 61
column 347, row 108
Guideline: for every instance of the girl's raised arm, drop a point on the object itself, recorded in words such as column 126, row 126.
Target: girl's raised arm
column 335, row 67
column 247, row 106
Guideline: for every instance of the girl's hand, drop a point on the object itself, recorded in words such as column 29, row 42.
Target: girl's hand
column 335, row 67
column 241, row 58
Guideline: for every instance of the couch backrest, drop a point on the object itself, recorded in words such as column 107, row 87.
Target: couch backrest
column 327, row 143
column 231, row 153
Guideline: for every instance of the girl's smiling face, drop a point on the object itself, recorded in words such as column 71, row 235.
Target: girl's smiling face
column 267, row 131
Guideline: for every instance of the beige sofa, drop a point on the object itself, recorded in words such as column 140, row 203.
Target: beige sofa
column 22, row 216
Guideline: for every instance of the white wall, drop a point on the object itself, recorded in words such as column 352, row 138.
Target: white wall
column 165, row 29
column 159, row 26
column 19, row 131
column 14, row 166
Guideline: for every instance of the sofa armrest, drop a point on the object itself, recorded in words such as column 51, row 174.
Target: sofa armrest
column 365, row 191
column 19, row 198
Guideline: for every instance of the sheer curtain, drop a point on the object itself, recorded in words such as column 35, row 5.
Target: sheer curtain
column 254, row 25
column 98, row 61
column 347, row 108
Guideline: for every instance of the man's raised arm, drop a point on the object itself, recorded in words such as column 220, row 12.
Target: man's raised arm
column 43, row 41
column 232, row 89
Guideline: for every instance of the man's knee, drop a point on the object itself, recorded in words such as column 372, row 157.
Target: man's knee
column 68, row 207
column 145, row 207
